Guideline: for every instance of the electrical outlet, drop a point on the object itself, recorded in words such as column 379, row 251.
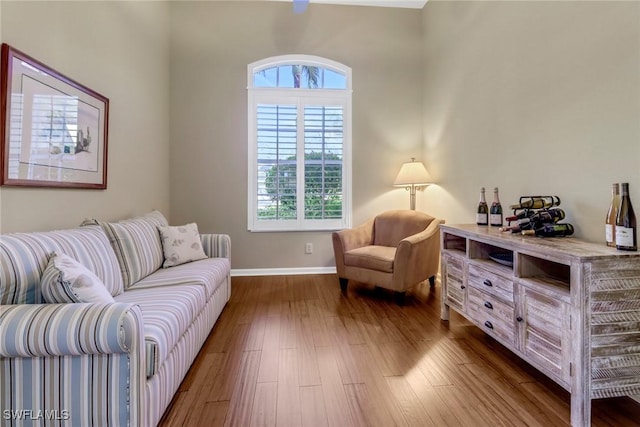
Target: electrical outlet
column 308, row 248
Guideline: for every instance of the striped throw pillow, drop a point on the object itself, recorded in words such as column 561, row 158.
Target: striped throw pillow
column 136, row 243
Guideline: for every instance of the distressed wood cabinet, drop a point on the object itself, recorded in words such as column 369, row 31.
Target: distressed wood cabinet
column 569, row 308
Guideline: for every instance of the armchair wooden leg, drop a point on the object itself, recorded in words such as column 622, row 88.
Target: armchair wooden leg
column 432, row 281
column 399, row 296
column 343, row 284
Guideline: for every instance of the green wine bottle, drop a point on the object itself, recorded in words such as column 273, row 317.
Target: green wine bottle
column 495, row 217
column 550, row 230
column 482, row 215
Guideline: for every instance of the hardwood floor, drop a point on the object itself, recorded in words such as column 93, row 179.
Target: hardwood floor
column 294, row 351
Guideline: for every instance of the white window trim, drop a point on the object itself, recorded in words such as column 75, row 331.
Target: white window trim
column 339, row 96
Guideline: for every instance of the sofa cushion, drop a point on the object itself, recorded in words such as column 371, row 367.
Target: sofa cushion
column 136, row 243
column 24, row 256
column 65, row 280
column 371, row 257
column 208, row 273
column 167, row 313
column 181, row 244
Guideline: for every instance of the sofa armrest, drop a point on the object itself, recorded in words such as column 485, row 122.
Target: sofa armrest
column 43, row 330
column 216, row 245
column 418, row 256
column 83, row 363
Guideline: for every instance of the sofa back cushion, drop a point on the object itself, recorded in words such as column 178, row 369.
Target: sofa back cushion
column 136, row 243
column 24, row 257
column 390, row 227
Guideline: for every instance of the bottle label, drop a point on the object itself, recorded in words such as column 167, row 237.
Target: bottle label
column 608, row 231
column 496, row 219
column 624, row 236
column 481, row 219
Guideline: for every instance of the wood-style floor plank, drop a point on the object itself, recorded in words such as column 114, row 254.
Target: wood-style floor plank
column 295, row 351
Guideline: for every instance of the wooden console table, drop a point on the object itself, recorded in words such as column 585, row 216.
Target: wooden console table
column 569, row 308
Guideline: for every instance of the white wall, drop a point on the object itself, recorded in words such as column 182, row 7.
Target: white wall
column 121, row 50
column 534, row 98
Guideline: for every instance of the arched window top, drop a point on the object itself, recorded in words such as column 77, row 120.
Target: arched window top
column 299, row 71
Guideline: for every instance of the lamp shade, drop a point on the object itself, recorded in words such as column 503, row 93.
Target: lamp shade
column 412, row 173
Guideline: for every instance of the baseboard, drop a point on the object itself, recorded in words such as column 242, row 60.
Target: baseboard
column 238, row 272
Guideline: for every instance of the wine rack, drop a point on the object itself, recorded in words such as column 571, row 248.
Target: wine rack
column 558, row 303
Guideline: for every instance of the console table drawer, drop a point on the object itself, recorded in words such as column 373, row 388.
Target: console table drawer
column 489, row 282
column 491, row 323
column 488, row 304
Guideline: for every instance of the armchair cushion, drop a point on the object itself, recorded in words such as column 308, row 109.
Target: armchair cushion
column 372, row 257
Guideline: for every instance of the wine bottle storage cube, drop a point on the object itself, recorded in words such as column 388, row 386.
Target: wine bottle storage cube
column 569, row 308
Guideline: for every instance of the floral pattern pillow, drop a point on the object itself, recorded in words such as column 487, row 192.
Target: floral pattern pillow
column 181, row 244
column 65, row 280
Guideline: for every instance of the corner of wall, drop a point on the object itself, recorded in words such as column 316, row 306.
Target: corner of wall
column 0, row 187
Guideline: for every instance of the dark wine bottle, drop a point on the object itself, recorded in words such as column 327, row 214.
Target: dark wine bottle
column 544, row 217
column 537, row 202
column 626, row 232
column 550, row 230
column 482, row 215
column 495, row 217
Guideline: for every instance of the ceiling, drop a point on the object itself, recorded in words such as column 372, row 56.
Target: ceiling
column 412, row 4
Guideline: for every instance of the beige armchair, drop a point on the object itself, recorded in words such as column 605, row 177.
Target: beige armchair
column 395, row 250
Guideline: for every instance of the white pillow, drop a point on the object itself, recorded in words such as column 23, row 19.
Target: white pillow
column 181, row 244
column 65, row 280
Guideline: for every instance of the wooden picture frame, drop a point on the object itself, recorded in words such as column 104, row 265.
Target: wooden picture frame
column 53, row 129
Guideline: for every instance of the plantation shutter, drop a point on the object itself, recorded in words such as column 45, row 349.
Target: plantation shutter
column 276, row 155
column 323, row 154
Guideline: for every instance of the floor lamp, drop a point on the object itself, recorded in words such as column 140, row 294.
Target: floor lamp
column 413, row 176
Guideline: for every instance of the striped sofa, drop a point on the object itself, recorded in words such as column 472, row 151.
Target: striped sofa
column 116, row 364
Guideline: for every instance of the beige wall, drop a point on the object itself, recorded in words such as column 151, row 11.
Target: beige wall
column 535, row 98
column 121, row 50
column 532, row 97
column 212, row 43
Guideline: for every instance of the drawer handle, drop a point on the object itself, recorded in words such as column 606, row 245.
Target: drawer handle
column 463, row 287
column 488, row 305
column 519, row 319
column 488, row 324
column 487, row 282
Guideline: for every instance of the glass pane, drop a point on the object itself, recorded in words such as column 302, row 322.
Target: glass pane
column 266, row 78
column 276, row 152
column 299, row 76
column 323, row 144
column 333, row 80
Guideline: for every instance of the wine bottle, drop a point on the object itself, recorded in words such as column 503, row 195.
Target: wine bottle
column 544, row 217
column 537, row 202
column 495, row 217
column 517, row 228
column 526, row 213
column 482, row 215
column 610, row 221
column 550, row 230
column 626, row 233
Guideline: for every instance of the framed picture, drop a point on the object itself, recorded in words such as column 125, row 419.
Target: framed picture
column 54, row 130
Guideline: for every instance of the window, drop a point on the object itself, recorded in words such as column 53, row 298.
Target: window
column 299, row 144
